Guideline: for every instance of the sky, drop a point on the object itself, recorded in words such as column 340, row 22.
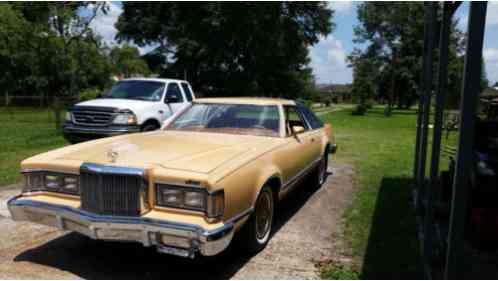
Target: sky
column 328, row 57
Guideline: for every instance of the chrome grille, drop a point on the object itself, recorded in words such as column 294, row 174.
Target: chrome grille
column 110, row 191
column 93, row 116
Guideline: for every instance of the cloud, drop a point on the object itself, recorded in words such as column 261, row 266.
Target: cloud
column 492, row 14
column 491, row 60
column 104, row 25
column 341, row 7
column 328, row 60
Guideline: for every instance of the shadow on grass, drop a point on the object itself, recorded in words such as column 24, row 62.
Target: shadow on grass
column 392, row 250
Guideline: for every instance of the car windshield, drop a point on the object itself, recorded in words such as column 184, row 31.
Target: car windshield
column 137, row 90
column 240, row 119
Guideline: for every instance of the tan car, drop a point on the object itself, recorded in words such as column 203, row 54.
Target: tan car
column 216, row 169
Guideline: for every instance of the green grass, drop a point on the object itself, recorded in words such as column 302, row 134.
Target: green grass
column 380, row 224
column 24, row 132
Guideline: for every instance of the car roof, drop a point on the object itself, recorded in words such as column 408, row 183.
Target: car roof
column 247, row 100
column 164, row 80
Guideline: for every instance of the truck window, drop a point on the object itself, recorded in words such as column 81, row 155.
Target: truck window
column 186, row 90
column 174, row 91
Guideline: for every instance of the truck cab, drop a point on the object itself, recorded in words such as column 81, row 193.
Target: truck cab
column 132, row 105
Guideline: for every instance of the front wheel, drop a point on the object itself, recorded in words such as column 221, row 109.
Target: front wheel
column 256, row 232
column 149, row 127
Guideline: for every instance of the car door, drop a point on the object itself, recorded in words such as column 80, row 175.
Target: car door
column 173, row 99
column 315, row 131
column 299, row 152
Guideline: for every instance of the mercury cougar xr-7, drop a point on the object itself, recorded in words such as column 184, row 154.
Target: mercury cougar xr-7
column 216, row 169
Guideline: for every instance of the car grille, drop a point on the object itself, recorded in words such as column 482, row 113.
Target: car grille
column 93, row 116
column 112, row 194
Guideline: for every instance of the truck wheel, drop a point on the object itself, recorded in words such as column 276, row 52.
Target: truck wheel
column 256, row 232
column 149, row 127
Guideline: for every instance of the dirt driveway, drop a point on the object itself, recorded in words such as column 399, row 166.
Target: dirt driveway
column 306, row 224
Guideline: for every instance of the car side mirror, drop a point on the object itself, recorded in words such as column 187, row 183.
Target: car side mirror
column 297, row 129
column 171, row 99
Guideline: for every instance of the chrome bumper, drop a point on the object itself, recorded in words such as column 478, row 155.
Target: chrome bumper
column 169, row 237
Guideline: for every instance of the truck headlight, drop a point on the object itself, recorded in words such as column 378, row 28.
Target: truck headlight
column 51, row 181
column 125, row 117
column 69, row 117
column 191, row 198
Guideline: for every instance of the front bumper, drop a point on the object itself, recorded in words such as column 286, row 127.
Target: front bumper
column 174, row 238
column 76, row 133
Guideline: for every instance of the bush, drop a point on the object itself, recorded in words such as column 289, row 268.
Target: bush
column 359, row 110
column 369, row 104
column 89, row 94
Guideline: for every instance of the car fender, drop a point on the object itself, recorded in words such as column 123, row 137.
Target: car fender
column 267, row 174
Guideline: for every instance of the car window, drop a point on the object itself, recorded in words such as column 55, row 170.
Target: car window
column 186, row 90
column 312, row 119
column 174, row 91
column 242, row 119
column 293, row 118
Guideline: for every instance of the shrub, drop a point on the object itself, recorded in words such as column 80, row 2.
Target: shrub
column 359, row 110
column 89, row 94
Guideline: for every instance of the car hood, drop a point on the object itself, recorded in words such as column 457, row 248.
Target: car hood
column 189, row 151
column 133, row 105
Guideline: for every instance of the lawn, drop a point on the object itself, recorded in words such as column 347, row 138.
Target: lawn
column 380, row 224
column 24, row 132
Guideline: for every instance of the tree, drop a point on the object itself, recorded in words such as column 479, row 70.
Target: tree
column 231, row 49
column 14, row 58
column 393, row 34
column 66, row 55
column 126, row 61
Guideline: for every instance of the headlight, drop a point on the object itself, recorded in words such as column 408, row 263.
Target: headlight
column 125, row 117
column 69, row 117
column 191, row 198
column 50, row 181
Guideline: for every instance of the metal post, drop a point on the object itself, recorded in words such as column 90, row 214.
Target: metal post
column 430, row 21
column 468, row 103
column 444, row 36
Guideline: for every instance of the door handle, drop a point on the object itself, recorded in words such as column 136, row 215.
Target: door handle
column 161, row 112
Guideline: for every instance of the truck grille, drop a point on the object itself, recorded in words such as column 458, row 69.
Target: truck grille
column 115, row 194
column 93, row 116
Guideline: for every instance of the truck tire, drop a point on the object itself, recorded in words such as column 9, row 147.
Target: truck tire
column 149, row 127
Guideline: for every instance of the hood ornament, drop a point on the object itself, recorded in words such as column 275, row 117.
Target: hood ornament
column 112, row 155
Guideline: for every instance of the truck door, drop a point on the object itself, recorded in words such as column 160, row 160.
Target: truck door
column 173, row 99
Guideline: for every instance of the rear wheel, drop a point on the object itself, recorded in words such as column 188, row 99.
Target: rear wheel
column 256, row 232
column 320, row 174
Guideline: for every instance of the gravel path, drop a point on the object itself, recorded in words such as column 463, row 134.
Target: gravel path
column 305, row 234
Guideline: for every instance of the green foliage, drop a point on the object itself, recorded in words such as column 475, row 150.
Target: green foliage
column 359, row 109
column 49, row 50
column 89, row 94
column 338, row 272
column 232, row 49
column 393, row 34
column 126, row 61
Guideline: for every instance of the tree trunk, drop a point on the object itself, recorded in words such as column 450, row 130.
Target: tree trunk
column 57, row 114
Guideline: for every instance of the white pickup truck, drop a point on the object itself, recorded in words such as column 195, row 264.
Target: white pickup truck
column 132, row 105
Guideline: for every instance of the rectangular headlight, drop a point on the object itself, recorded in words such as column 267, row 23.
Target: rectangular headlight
column 51, row 181
column 191, row 198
